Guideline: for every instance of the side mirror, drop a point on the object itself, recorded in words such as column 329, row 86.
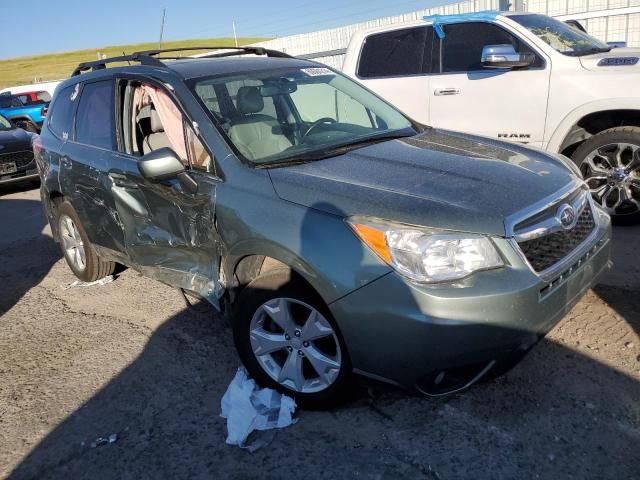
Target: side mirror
column 505, row 56
column 164, row 164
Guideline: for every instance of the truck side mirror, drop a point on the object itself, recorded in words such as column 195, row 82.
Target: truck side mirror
column 505, row 56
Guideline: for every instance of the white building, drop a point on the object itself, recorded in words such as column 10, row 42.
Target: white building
column 608, row 20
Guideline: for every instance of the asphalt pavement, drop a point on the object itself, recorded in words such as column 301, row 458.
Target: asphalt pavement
column 128, row 358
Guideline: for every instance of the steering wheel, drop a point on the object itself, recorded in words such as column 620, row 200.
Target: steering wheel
column 318, row 122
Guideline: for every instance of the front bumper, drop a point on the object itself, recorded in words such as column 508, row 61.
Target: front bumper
column 27, row 169
column 440, row 338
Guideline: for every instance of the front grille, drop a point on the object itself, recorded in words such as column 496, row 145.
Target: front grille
column 546, row 251
column 21, row 159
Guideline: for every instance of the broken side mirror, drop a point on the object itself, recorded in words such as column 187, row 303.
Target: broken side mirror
column 505, row 56
column 164, row 164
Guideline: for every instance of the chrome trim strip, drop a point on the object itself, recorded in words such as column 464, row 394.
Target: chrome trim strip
column 552, row 224
column 512, row 220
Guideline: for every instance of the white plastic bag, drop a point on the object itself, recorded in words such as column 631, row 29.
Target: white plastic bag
column 248, row 407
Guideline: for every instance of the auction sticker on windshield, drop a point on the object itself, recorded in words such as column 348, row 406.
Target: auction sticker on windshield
column 317, row 72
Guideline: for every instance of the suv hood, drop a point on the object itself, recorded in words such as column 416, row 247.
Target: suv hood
column 618, row 59
column 438, row 179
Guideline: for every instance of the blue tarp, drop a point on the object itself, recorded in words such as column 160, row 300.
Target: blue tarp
column 439, row 20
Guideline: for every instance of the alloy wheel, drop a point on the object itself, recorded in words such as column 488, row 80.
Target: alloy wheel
column 295, row 345
column 612, row 173
column 72, row 243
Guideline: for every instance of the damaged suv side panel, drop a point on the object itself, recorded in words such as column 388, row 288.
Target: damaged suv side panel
column 158, row 229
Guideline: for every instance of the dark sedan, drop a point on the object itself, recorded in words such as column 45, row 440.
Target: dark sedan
column 16, row 155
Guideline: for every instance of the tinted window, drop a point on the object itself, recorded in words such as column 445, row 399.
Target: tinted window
column 463, row 43
column 400, row 52
column 94, row 120
column 61, row 113
column 10, row 101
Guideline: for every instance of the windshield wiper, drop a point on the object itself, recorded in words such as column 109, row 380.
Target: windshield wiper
column 354, row 145
column 335, row 150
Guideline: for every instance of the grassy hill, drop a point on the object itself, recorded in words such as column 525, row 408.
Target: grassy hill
column 56, row 66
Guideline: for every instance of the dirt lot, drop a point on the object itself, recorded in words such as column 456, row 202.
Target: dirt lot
column 129, row 358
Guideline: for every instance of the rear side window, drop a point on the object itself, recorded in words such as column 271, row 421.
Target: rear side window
column 395, row 53
column 463, row 43
column 9, row 101
column 94, row 120
column 61, row 113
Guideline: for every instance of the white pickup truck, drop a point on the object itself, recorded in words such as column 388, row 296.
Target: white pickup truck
column 516, row 76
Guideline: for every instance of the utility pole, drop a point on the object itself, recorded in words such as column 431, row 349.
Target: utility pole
column 235, row 36
column 164, row 12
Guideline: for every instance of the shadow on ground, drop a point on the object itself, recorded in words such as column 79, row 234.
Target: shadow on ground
column 558, row 415
column 26, row 253
column 620, row 288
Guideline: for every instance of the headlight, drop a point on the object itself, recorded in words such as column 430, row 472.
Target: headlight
column 427, row 255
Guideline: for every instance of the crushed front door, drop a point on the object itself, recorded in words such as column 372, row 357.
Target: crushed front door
column 169, row 234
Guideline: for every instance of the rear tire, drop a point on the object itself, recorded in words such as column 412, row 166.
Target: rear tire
column 78, row 251
column 610, row 164
column 307, row 347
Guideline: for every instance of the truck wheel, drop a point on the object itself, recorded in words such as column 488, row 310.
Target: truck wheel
column 77, row 249
column 288, row 340
column 610, row 164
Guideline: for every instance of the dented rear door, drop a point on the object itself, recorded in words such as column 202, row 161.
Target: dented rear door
column 168, row 234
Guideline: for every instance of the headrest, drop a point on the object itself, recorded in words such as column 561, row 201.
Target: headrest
column 249, row 100
column 156, row 124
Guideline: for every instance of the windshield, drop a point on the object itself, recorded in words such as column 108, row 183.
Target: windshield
column 5, row 124
column 10, row 101
column 562, row 37
column 295, row 114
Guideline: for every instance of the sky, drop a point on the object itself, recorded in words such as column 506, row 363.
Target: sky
column 45, row 26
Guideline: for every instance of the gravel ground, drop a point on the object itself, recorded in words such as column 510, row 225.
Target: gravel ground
column 128, row 358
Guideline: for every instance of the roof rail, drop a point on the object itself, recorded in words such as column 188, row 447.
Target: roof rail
column 102, row 64
column 232, row 52
column 148, row 57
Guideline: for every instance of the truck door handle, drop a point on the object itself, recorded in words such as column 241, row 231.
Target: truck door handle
column 447, row 91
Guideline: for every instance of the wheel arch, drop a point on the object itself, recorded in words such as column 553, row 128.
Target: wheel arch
column 55, row 199
column 592, row 118
column 247, row 261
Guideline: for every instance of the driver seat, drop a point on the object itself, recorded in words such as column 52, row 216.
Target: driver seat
column 256, row 135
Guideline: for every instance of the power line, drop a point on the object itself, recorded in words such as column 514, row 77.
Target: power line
column 250, row 28
column 293, row 28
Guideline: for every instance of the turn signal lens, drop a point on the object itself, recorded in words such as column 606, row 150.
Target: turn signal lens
column 374, row 239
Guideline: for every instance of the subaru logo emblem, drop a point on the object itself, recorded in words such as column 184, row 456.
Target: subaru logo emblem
column 566, row 216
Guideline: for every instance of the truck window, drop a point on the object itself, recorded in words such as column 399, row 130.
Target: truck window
column 463, row 43
column 10, row 101
column 61, row 113
column 94, row 120
column 396, row 53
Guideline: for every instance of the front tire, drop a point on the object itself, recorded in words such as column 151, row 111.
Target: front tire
column 288, row 340
column 78, row 251
column 610, row 164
